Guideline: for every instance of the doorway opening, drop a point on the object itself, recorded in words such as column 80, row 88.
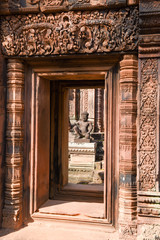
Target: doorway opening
column 78, row 154
column 86, row 137
column 57, row 195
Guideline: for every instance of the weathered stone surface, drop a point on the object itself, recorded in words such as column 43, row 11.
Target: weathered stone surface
column 82, row 155
column 70, row 33
column 148, row 232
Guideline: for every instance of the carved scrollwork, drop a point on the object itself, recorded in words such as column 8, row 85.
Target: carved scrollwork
column 69, row 33
column 32, row 2
column 148, row 124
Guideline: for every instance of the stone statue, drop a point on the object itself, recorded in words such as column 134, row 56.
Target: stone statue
column 83, row 127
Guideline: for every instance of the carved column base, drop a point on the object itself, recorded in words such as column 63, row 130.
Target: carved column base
column 12, row 218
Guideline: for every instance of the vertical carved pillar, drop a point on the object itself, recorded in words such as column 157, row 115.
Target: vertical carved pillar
column 77, row 104
column 149, row 121
column 148, row 124
column 128, row 141
column 12, row 212
column 99, row 110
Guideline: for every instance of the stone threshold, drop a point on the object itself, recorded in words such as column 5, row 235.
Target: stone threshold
column 72, row 211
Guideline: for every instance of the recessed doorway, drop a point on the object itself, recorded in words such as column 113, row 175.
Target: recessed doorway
column 57, row 187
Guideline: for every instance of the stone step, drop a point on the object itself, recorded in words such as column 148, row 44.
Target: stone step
column 89, row 192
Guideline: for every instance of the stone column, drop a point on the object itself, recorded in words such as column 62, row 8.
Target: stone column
column 128, row 142
column 99, row 110
column 12, row 211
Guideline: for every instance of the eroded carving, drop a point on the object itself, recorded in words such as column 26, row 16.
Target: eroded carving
column 72, row 32
column 148, row 124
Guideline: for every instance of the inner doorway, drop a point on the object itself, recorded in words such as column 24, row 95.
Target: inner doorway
column 86, row 137
column 80, row 194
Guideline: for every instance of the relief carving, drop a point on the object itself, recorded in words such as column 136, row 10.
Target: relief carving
column 70, row 33
column 149, row 5
column 148, row 124
column 14, row 3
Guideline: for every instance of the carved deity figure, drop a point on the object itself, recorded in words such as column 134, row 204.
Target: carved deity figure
column 83, row 127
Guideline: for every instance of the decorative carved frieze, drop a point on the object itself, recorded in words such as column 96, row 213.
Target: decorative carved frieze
column 148, row 124
column 149, row 204
column 12, row 211
column 10, row 6
column 127, row 150
column 149, row 40
column 149, row 6
column 70, row 33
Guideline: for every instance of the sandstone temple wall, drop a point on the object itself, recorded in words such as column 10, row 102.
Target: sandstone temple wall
column 125, row 30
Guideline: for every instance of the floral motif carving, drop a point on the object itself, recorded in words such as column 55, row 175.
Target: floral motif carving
column 69, row 33
column 148, row 123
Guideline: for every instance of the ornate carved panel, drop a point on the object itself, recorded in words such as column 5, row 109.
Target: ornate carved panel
column 148, row 124
column 70, row 33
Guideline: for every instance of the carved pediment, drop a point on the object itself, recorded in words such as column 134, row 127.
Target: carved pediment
column 70, row 32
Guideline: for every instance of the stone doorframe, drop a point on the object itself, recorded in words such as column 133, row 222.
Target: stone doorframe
column 16, row 159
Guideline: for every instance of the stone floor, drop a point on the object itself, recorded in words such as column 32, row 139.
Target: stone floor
column 54, row 230
column 73, row 208
column 65, row 220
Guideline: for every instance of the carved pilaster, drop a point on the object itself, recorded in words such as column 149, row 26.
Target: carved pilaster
column 148, row 125
column 148, row 147
column 12, row 212
column 99, row 110
column 127, row 138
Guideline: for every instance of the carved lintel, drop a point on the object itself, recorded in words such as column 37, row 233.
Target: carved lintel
column 16, row 6
column 70, row 33
column 12, row 211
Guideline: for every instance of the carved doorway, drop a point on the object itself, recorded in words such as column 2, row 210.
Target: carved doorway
column 50, row 158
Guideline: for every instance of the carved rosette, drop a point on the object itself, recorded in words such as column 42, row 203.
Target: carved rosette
column 70, row 32
column 12, row 212
column 128, row 142
column 148, row 124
